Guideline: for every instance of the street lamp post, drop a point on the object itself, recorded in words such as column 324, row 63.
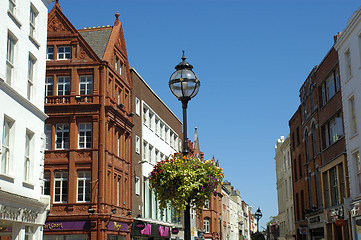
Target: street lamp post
column 184, row 84
column 258, row 215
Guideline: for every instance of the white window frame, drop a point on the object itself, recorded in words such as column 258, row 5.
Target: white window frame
column 348, row 69
column 50, row 54
column 161, row 128
column 137, row 106
column 29, row 232
column 145, row 150
column 137, row 185
column 83, row 186
column 46, row 183
column 166, row 131
column 357, row 161
column 206, row 204
column 10, row 56
column 145, row 115
column 48, row 138
column 49, row 86
column 31, row 68
column 62, row 179
column 150, row 122
column 64, row 53
column 7, row 145
column 206, row 225
column 137, row 144
column 156, row 156
column 32, row 21
column 150, row 153
column 63, row 85
column 86, row 81
column 12, row 7
column 353, row 122
column 62, row 132
column 28, row 155
column 85, row 135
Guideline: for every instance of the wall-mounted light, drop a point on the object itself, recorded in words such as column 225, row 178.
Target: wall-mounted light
column 120, row 105
column 129, row 213
column 77, row 97
column 91, row 210
column 131, row 114
column 114, row 211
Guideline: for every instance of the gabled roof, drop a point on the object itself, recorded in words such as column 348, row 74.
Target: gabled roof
column 60, row 26
column 97, row 39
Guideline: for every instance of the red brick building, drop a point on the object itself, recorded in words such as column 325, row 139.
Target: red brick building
column 298, row 162
column 333, row 169
column 318, row 152
column 88, row 157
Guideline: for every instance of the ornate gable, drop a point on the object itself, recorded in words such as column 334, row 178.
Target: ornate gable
column 60, row 30
column 58, row 23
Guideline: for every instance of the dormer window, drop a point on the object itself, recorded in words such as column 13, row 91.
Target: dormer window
column 64, row 53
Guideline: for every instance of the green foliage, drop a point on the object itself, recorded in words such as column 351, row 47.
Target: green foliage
column 181, row 180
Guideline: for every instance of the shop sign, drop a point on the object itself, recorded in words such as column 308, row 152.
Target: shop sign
column 18, row 214
column 355, row 211
column 340, row 222
column 303, row 230
column 163, row 231
column 69, row 225
column 175, row 230
column 147, row 230
column 139, row 225
column 334, row 214
column 315, row 219
column 117, row 226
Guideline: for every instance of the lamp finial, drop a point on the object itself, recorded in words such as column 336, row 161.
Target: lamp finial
column 183, row 57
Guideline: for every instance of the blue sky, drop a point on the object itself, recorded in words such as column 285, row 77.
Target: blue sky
column 251, row 58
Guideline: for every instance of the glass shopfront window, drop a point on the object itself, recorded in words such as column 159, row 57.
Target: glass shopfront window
column 66, row 237
column 115, row 237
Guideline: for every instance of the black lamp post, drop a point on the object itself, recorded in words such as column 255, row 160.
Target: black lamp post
column 258, row 216
column 184, row 84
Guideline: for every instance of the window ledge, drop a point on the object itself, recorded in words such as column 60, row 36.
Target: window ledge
column 354, row 135
column 28, row 185
column 16, row 21
column 348, row 79
column 7, row 177
column 33, row 40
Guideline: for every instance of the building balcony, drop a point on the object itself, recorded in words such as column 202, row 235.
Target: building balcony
column 71, row 99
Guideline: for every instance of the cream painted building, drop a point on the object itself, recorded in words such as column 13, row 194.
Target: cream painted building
column 23, row 30
column 348, row 45
column 284, row 188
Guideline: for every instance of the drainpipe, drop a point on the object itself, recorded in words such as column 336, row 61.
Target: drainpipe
column 101, row 155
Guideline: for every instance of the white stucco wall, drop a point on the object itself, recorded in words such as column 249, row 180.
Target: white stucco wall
column 25, row 115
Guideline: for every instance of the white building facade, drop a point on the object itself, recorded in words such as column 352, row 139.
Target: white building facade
column 23, row 30
column 348, row 45
column 284, row 188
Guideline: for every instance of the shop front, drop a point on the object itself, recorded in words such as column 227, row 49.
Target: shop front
column 336, row 223
column 356, row 220
column 316, row 226
column 149, row 231
column 83, row 230
column 20, row 217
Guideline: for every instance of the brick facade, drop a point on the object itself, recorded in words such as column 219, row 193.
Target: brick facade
column 88, row 161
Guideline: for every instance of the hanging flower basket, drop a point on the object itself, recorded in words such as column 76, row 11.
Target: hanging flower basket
column 183, row 180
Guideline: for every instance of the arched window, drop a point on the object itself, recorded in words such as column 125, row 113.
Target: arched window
column 314, row 141
column 206, row 225
column 307, row 146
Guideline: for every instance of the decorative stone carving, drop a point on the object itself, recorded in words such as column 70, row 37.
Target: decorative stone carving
column 56, row 26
